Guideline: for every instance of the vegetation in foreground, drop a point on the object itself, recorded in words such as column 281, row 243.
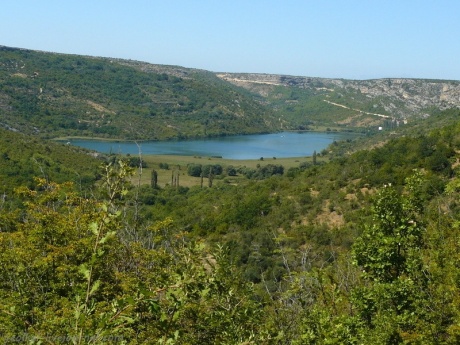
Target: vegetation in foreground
column 360, row 250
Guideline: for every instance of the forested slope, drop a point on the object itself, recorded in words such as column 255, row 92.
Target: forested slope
column 63, row 95
column 51, row 95
column 360, row 250
column 22, row 158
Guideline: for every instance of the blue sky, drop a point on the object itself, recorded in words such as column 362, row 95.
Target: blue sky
column 353, row 39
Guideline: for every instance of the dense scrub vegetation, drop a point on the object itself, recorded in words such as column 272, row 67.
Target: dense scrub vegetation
column 64, row 95
column 360, row 250
column 23, row 157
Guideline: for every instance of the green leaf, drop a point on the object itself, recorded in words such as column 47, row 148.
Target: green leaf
column 83, row 269
column 95, row 286
column 108, row 236
column 94, row 227
column 176, row 315
column 205, row 292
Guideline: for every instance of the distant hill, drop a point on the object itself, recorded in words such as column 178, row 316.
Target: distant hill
column 305, row 102
column 68, row 95
column 54, row 95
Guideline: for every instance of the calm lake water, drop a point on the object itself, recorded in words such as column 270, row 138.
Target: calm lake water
column 279, row 145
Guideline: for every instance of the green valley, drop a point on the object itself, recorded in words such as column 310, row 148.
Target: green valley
column 357, row 244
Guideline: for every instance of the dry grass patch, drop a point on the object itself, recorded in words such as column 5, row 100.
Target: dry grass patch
column 178, row 164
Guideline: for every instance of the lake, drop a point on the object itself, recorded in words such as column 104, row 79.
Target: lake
column 279, row 145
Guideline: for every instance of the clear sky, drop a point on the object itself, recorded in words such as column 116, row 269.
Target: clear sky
column 353, row 39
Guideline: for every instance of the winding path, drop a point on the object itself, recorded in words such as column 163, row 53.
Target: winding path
column 361, row 111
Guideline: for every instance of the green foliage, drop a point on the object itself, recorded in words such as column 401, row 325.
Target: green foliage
column 198, row 170
column 61, row 257
column 268, row 170
column 136, row 162
column 394, row 306
column 230, row 170
column 65, row 95
column 194, row 170
column 71, row 271
column 262, row 172
column 215, row 169
column 385, row 249
column 321, row 255
column 23, row 157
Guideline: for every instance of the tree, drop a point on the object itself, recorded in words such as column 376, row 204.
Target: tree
column 210, row 176
column 215, row 169
column 63, row 254
column 194, row 170
column 136, row 162
column 154, row 179
column 389, row 253
column 231, row 170
column 72, row 272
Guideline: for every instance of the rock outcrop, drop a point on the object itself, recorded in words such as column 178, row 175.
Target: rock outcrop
column 400, row 97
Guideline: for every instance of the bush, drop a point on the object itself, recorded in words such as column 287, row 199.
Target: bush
column 135, row 162
column 194, row 170
column 216, row 169
column 269, row 170
column 231, row 171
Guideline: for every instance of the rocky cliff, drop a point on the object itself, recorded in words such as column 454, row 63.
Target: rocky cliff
column 399, row 97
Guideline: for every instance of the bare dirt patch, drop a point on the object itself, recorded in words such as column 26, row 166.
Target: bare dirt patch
column 99, row 107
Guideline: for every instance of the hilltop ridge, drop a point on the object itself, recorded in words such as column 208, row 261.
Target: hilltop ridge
column 52, row 95
column 398, row 98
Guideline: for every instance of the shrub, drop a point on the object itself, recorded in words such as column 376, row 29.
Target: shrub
column 194, row 170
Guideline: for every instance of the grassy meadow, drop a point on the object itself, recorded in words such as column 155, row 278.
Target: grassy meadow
column 179, row 163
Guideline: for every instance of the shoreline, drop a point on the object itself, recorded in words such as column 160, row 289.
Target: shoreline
column 77, row 137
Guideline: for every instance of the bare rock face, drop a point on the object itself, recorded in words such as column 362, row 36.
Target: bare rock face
column 415, row 94
column 401, row 97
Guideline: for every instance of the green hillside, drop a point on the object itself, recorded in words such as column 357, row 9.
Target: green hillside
column 24, row 158
column 362, row 249
column 65, row 95
column 58, row 95
column 358, row 244
column 341, row 104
